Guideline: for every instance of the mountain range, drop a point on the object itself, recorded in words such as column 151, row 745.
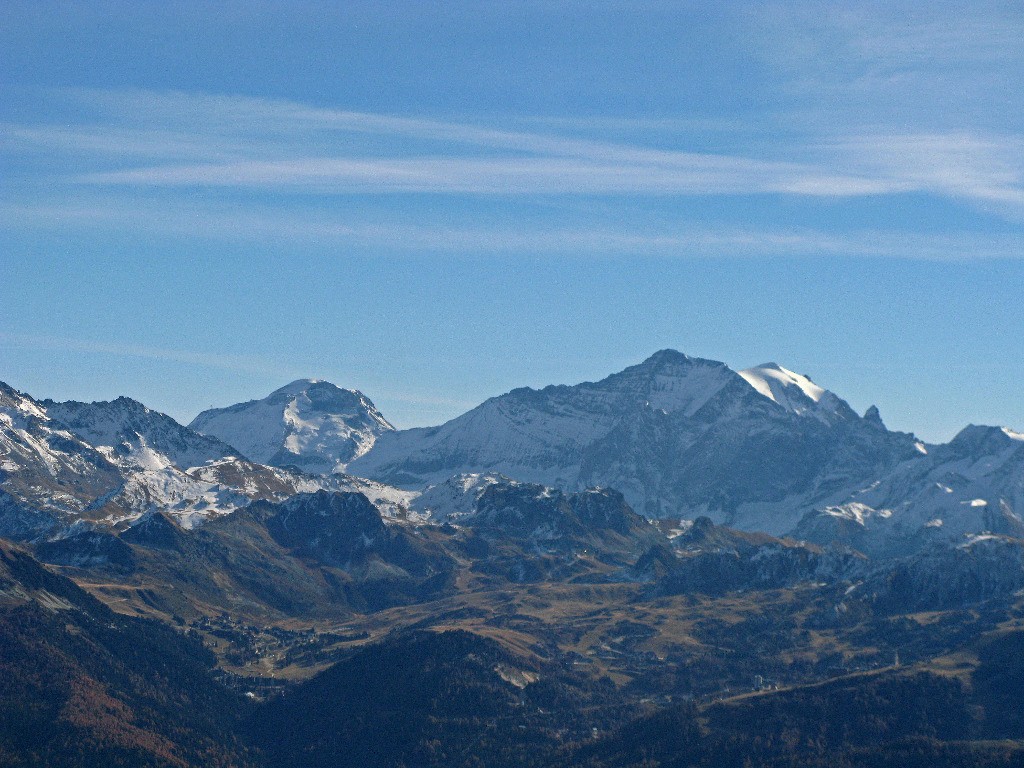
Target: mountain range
column 621, row 572
column 762, row 449
column 107, row 463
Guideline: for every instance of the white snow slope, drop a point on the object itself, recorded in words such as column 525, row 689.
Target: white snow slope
column 310, row 424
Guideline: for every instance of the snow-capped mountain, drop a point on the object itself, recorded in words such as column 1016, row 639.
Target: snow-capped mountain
column 124, row 426
column 971, row 485
column 46, row 472
column 309, row 424
column 796, row 393
column 763, row 449
column 154, row 454
column 679, row 436
column 110, row 462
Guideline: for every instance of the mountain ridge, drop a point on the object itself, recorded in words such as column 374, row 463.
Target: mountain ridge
column 761, row 449
column 109, row 462
column 658, row 431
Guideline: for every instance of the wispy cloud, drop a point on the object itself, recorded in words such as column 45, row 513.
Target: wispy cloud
column 282, row 145
column 326, row 230
column 689, row 175
column 210, row 141
column 905, row 64
column 940, row 38
column 893, row 37
column 169, row 144
column 982, row 168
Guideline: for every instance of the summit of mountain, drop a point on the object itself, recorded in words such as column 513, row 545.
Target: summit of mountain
column 679, row 436
column 309, row 424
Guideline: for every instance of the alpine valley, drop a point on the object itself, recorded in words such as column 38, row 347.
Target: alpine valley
column 678, row 565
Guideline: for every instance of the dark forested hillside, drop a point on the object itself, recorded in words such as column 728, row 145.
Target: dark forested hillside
column 433, row 699
column 83, row 686
column 896, row 718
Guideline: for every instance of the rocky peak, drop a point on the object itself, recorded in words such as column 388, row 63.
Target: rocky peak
column 127, row 426
column 336, row 522
column 873, row 417
column 980, row 440
column 156, row 530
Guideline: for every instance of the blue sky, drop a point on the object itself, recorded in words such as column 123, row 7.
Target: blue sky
column 437, row 202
